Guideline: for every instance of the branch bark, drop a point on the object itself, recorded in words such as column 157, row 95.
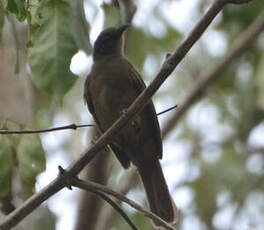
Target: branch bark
column 88, row 185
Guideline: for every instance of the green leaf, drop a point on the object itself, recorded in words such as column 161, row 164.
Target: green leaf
column 31, row 160
column 52, row 47
column 18, row 8
column 34, row 16
column 2, row 18
column 79, row 26
column 6, row 166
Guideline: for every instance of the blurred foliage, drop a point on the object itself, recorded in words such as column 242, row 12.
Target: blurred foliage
column 2, row 19
column 149, row 45
column 215, row 137
column 6, row 166
column 235, row 19
column 31, row 161
column 24, row 154
column 259, row 84
column 18, row 8
column 45, row 219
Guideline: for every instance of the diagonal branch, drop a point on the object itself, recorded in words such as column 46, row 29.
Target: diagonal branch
column 32, row 203
column 88, row 185
column 244, row 40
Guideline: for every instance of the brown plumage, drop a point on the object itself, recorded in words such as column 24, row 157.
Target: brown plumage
column 110, row 89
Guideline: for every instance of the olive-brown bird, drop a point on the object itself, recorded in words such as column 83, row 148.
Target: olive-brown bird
column 110, row 89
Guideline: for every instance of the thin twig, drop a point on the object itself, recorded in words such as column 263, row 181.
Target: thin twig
column 29, row 205
column 72, row 126
column 167, row 110
column 114, row 205
column 244, row 40
column 130, row 181
column 88, row 185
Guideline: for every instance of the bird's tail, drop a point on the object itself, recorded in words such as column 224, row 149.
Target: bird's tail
column 158, row 195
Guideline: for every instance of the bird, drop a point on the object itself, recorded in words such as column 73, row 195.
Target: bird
column 110, row 88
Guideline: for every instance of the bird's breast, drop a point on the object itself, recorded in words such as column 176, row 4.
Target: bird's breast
column 112, row 93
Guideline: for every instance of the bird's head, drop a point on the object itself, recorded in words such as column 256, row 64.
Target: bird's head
column 109, row 42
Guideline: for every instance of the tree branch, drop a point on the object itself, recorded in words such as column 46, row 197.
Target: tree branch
column 16, row 216
column 88, row 185
column 244, row 40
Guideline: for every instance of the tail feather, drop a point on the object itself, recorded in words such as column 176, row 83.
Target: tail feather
column 158, row 195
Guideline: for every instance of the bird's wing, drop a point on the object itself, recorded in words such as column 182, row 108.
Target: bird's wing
column 136, row 79
column 149, row 109
column 87, row 97
column 122, row 157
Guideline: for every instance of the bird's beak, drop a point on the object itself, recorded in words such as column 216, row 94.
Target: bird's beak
column 121, row 29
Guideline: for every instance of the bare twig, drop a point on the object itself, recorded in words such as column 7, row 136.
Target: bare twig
column 129, row 181
column 167, row 68
column 72, row 126
column 167, row 110
column 239, row 46
column 88, row 185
